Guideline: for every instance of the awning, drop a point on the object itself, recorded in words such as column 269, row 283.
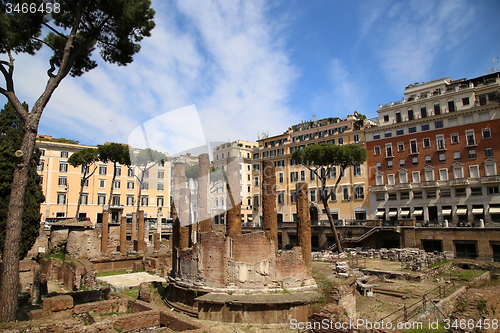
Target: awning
column 477, row 210
column 393, row 213
column 461, row 211
column 405, row 212
column 380, row 213
column 446, row 211
column 494, row 210
column 418, row 212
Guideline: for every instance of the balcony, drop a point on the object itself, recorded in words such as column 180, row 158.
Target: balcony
column 458, row 182
column 429, row 184
column 490, row 179
column 402, row 186
column 378, row 188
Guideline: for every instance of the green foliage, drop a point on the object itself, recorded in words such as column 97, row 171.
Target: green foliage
column 216, row 175
column 440, row 263
column 11, row 134
column 328, row 154
column 62, row 140
column 85, row 157
column 146, row 158
column 114, row 153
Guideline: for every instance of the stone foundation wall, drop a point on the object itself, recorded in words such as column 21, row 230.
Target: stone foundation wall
column 214, row 262
column 83, row 245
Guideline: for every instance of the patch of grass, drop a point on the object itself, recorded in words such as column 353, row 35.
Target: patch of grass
column 112, row 273
column 133, row 292
column 481, row 306
column 440, row 263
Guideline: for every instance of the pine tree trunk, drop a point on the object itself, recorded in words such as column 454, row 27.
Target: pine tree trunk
column 9, row 275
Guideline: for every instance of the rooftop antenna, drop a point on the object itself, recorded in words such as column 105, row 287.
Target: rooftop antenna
column 258, row 135
column 494, row 66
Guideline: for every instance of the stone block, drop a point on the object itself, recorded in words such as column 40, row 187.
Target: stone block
column 58, row 303
column 37, row 314
column 145, row 292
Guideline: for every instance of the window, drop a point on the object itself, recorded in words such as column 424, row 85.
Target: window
column 390, row 179
column 355, row 138
column 102, row 169
column 445, row 193
column 426, row 142
column 482, row 99
column 130, row 173
column 458, row 172
column 281, row 151
column 437, row 109
column 465, row 101
column 492, row 190
column 401, row 146
column 144, row 201
column 255, row 156
column 62, row 181
column 413, row 147
column 451, row 106
column 145, row 186
column 486, row 133
column 476, row 191
column 159, row 201
column 84, row 199
column 130, row 185
column 443, row 174
column 280, row 177
column 42, row 152
column 102, row 183
column 425, row 127
column 415, row 177
column 255, row 167
column 470, row 139
column 428, row 159
column 430, row 194
column 488, row 152
column 117, row 184
column 379, row 179
column 423, row 112
column 456, row 156
column 345, row 193
column 400, row 131
column 160, row 186
column 379, row 165
column 414, row 161
column 442, row 158
column 412, row 129
column 460, row 192
column 61, row 198
column 293, row 197
column 359, row 193
column 411, row 116
column 429, row 175
column 341, row 141
column 417, row 195
column 161, row 174
column 256, row 181
column 116, row 200
column 473, row 171
column 454, row 138
column 440, row 142
column 118, row 171
column 388, row 134
column 63, row 167
column 281, row 163
column 388, row 150
column 101, row 199
column 376, row 136
column 333, row 172
column 389, row 164
column 313, row 195
column 398, row 117
column 380, row 197
column 405, row 195
column 272, row 152
column 402, row 163
column 472, row 153
column 386, row 118
column 403, row 177
column 302, row 176
column 86, row 183
column 376, row 150
column 438, row 124
column 392, row 196
column 39, row 167
column 357, row 170
column 333, row 195
column 64, row 154
column 294, row 176
column 311, row 174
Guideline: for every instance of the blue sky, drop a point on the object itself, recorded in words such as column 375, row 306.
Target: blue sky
column 252, row 66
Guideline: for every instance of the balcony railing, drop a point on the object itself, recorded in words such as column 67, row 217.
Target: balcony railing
column 402, row 186
column 490, row 179
column 458, row 182
column 378, row 188
column 429, row 183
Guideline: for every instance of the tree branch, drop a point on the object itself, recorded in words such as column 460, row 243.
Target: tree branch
column 44, row 42
column 54, row 30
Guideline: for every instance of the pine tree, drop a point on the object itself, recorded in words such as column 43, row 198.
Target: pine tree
column 11, row 134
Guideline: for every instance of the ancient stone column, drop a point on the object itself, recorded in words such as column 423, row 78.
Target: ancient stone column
column 140, row 236
column 157, row 242
column 123, row 235
column 269, row 215
column 134, row 228
column 174, row 242
column 184, row 194
column 233, row 191
column 304, row 224
column 203, row 181
column 105, row 231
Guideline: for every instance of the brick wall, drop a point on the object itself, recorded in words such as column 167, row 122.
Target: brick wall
column 214, row 259
column 251, row 248
column 291, row 268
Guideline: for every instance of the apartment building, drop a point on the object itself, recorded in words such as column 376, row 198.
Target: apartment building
column 218, row 190
column 61, row 186
column 349, row 202
column 433, row 155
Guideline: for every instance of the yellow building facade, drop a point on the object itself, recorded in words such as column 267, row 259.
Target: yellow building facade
column 348, row 204
column 61, row 186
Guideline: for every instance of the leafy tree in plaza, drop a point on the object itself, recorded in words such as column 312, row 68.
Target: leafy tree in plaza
column 144, row 160
column 75, row 29
column 11, row 134
column 325, row 156
column 115, row 153
column 86, row 158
